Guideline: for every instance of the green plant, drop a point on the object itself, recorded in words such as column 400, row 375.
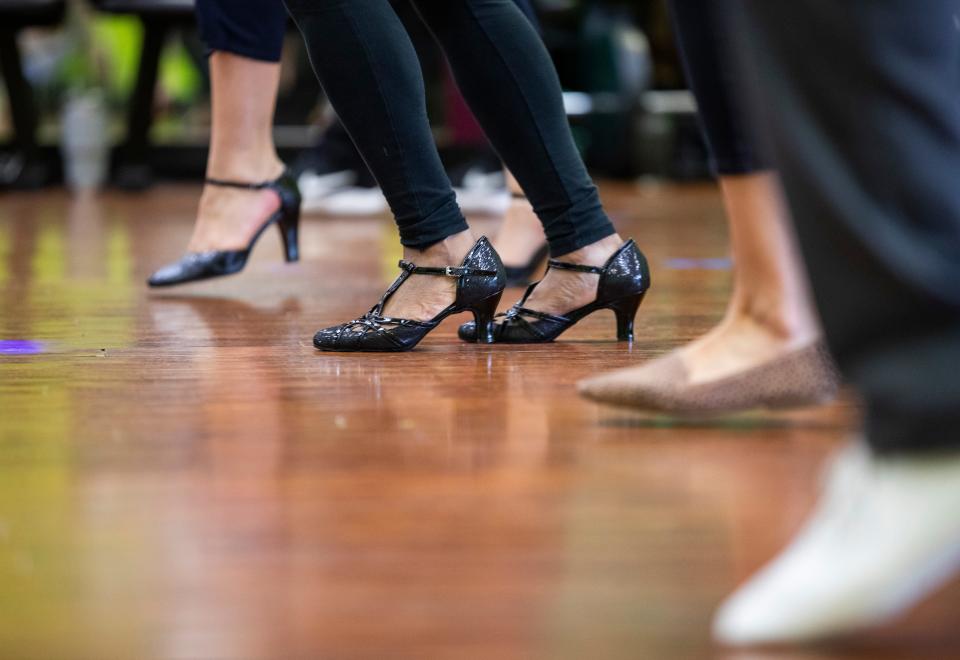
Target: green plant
column 84, row 66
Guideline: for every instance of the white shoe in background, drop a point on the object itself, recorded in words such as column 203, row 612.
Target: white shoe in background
column 481, row 191
column 885, row 534
column 340, row 193
column 315, row 187
column 354, row 201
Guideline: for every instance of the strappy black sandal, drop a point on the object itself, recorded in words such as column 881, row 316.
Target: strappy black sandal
column 624, row 281
column 480, row 284
column 196, row 266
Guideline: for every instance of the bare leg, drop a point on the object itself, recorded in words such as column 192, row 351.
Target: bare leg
column 770, row 312
column 241, row 148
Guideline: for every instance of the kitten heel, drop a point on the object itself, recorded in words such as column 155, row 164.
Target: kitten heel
column 625, row 310
column 483, row 314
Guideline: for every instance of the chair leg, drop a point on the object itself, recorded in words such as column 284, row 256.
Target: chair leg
column 133, row 171
column 26, row 169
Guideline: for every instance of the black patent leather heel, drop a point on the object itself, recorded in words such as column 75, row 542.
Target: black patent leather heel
column 624, row 280
column 196, row 266
column 480, row 283
column 483, row 315
column 626, row 311
column 289, row 226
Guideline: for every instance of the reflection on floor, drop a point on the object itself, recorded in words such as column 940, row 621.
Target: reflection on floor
column 182, row 476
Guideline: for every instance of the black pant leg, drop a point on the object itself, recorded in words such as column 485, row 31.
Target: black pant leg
column 370, row 72
column 249, row 28
column 508, row 79
column 704, row 36
column 862, row 106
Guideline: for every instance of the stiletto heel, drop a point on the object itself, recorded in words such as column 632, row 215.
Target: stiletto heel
column 217, row 263
column 289, row 226
column 480, row 283
column 626, row 311
column 624, row 280
column 483, row 315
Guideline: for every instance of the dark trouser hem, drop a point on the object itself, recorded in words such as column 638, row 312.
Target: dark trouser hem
column 576, row 225
column 741, row 167
column 446, row 221
column 911, row 384
column 582, row 240
column 582, row 236
column 240, row 51
column 249, row 28
column 892, row 434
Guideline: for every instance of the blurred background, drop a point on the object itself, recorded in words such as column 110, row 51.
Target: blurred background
column 123, row 86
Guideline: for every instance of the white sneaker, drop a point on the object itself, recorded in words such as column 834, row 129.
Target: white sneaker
column 481, row 192
column 885, row 534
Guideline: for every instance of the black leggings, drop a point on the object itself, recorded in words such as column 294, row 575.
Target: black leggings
column 369, row 70
column 705, row 39
column 255, row 28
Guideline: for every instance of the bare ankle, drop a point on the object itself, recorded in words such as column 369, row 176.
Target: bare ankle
column 449, row 251
column 596, row 253
column 247, row 167
column 777, row 317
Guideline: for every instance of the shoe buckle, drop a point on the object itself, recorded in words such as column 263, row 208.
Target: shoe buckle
column 449, row 271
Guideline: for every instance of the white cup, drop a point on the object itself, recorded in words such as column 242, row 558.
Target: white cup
column 84, row 141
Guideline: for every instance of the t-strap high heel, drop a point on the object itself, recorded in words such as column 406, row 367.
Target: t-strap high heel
column 624, row 281
column 480, row 283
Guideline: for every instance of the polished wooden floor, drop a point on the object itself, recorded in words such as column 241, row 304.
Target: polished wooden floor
column 182, row 476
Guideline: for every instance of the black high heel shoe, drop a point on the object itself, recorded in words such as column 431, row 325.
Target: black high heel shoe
column 480, row 283
column 521, row 275
column 216, row 263
column 624, row 281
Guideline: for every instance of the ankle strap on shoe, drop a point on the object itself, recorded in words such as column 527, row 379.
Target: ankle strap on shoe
column 448, row 271
column 243, row 185
column 562, row 265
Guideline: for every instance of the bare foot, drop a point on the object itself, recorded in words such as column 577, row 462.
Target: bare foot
column 228, row 218
column 520, row 236
column 422, row 297
column 563, row 291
